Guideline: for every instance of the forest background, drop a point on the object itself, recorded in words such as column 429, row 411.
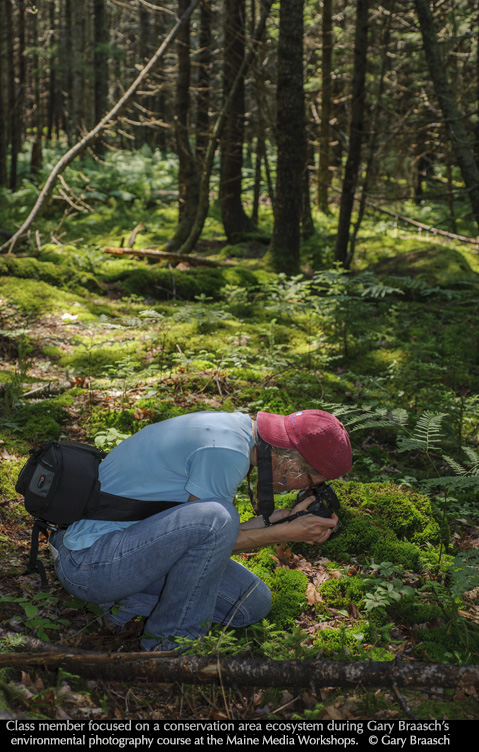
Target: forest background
column 247, row 205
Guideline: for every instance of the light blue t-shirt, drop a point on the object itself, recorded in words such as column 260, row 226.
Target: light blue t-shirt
column 205, row 454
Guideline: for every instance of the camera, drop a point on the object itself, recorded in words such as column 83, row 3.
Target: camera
column 324, row 505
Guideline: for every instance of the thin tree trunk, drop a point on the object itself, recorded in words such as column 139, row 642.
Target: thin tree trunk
column 235, row 220
column 36, row 157
column 203, row 100
column 91, row 137
column 100, row 58
column 4, row 88
column 324, row 173
column 372, row 142
column 283, row 253
column 203, row 202
column 355, row 134
column 18, row 114
column 188, row 177
column 454, row 121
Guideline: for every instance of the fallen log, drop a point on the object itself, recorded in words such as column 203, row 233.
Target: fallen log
column 162, row 255
column 170, row 667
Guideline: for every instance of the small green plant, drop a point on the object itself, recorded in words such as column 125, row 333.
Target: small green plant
column 32, row 618
column 385, row 593
column 109, row 438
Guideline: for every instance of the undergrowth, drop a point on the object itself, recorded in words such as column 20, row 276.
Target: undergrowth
column 93, row 348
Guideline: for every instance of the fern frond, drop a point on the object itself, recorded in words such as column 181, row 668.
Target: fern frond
column 427, row 433
column 473, row 457
column 453, row 482
column 456, row 466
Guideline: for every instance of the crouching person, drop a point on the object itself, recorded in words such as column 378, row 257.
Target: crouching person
column 175, row 568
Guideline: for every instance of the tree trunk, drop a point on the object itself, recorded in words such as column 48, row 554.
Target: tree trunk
column 355, row 135
column 203, row 203
column 91, row 137
column 188, row 177
column 324, row 173
column 100, row 57
column 18, row 113
column 235, row 220
column 203, row 98
column 4, row 88
column 36, row 157
column 231, row 672
column 454, row 121
column 286, row 240
column 371, row 155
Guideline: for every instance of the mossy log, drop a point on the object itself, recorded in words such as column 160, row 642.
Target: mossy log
column 162, row 256
column 239, row 671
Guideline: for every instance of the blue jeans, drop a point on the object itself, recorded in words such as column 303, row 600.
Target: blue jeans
column 173, row 568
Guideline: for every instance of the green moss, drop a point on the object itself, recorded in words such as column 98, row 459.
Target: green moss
column 410, row 611
column 288, row 587
column 9, row 470
column 36, row 297
column 40, row 421
column 346, row 642
column 159, row 282
column 54, row 272
column 410, row 515
column 436, row 266
column 457, row 642
column 341, row 592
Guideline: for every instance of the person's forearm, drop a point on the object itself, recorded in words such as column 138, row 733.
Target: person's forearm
column 253, row 534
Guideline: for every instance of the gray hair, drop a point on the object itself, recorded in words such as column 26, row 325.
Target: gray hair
column 285, row 457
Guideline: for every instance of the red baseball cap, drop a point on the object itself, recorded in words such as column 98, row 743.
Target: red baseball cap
column 317, row 435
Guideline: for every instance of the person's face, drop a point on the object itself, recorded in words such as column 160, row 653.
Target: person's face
column 290, row 478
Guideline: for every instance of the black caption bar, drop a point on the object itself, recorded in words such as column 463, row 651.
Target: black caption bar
column 146, row 735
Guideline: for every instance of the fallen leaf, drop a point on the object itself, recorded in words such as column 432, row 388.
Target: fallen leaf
column 312, row 595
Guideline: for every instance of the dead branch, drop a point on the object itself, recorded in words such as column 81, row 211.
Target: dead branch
column 426, row 228
column 166, row 255
column 92, row 135
column 171, row 667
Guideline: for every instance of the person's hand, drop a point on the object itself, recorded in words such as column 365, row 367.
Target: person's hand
column 308, row 528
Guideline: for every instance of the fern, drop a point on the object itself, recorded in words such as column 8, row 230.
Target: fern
column 427, row 433
column 367, row 416
column 465, row 572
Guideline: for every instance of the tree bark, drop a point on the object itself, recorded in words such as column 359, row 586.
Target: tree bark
column 355, row 135
column 188, row 177
column 286, row 240
column 203, row 203
column 203, row 100
column 235, row 220
column 463, row 151
column 324, row 173
column 91, row 137
column 242, row 672
column 17, row 113
column 100, row 58
column 4, row 88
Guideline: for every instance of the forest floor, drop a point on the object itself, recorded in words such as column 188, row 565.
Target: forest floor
column 94, row 347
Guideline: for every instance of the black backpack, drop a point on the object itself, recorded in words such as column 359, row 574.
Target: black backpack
column 60, row 485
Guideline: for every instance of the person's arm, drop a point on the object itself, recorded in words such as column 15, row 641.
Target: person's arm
column 308, row 528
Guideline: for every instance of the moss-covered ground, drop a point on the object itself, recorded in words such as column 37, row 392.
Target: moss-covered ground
column 95, row 346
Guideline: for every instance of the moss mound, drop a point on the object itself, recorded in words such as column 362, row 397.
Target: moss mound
column 384, row 522
column 435, row 266
column 157, row 281
column 61, row 275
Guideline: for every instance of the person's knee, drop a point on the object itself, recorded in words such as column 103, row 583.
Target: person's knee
column 253, row 606
column 222, row 518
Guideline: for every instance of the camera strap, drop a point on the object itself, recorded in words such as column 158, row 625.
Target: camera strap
column 265, row 478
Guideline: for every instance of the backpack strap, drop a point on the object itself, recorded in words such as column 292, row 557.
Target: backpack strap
column 121, row 508
column 34, row 564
